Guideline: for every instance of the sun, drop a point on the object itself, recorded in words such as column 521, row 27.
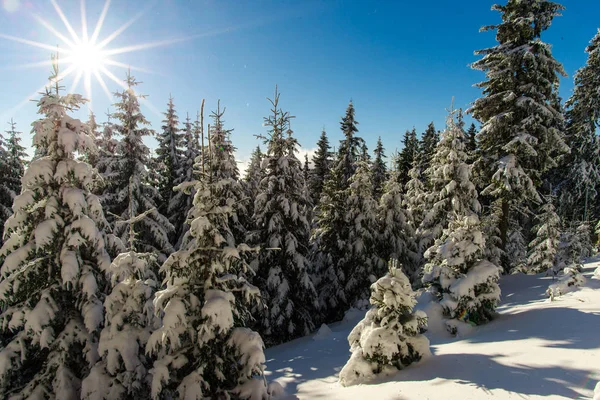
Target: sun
column 87, row 57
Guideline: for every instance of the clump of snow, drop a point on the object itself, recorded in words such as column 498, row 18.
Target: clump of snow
column 276, row 390
column 389, row 337
column 569, row 282
column 597, row 392
column 323, row 332
column 596, row 273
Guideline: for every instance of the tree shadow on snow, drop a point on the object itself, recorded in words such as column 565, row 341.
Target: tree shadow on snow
column 487, row 373
column 305, row 359
column 568, row 327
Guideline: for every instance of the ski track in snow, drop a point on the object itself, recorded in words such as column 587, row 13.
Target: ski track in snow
column 534, row 349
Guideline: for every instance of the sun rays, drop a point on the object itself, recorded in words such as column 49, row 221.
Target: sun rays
column 86, row 58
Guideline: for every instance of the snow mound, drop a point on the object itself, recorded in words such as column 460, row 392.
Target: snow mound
column 323, row 332
column 597, row 388
column 596, row 273
column 570, row 281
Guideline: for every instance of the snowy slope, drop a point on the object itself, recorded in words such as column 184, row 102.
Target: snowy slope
column 534, row 349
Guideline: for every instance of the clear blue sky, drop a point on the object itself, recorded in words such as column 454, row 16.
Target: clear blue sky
column 400, row 61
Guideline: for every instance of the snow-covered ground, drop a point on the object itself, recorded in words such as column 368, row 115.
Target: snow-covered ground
column 534, row 349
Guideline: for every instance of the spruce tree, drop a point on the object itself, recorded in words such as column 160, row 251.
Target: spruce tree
column 520, row 136
column 181, row 203
column 389, row 338
column 360, row 263
column 429, row 141
column 350, row 147
column 254, row 175
column 581, row 182
column 53, row 263
column 472, row 142
column 281, row 218
column 169, row 155
column 406, row 159
column 380, row 172
column 122, row 370
column 130, row 161
column 221, row 152
column 322, row 162
column 203, row 348
column 463, row 279
column 306, row 170
column 544, row 247
column 12, row 167
column 397, row 232
column 332, row 227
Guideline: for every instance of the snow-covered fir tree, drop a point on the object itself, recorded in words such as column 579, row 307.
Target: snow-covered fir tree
column 406, row 158
column 122, row 370
column 281, row 218
column 543, row 248
column 332, row 227
column 91, row 156
column 471, row 143
column 390, row 337
column 254, row 174
column 415, row 195
column 12, row 167
column 322, row 162
column 350, row 147
column 181, row 202
column 130, row 161
column 463, row 280
column 220, row 159
column 427, row 145
column 516, row 249
column 449, row 178
column 380, row 172
column 169, row 157
column 583, row 247
column 397, row 233
column 54, row 263
column 360, row 263
column 203, row 348
column 520, row 137
column 581, row 182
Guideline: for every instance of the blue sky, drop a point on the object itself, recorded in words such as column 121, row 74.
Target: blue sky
column 401, row 62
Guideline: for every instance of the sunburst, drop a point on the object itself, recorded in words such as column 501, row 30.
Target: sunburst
column 86, row 57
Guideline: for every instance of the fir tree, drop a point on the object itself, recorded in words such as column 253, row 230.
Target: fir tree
column 203, row 348
column 181, row 203
column 429, row 141
column 406, row 158
column 516, row 250
column 396, row 227
column 12, row 167
column 389, row 337
column 464, row 281
column 380, row 172
column 543, row 248
column 415, row 195
column 350, row 147
column 520, row 136
column 322, row 162
column 254, row 174
column 122, row 370
column 332, row 227
column 471, row 143
column 306, row 169
column 281, row 217
column 360, row 262
column 581, row 182
column 129, row 162
column 221, row 153
column 169, row 157
column 54, row 262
